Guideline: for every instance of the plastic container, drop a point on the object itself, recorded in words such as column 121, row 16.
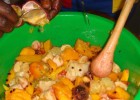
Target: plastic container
column 66, row 28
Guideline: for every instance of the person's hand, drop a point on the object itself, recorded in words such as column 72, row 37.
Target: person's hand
column 39, row 12
column 8, row 18
column 52, row 7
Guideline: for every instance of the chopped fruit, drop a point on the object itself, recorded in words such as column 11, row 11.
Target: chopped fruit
column 119, row 93
column 34, row 14
column 17, row 94
column 125, row 75
column 37, row 69
column 27, row 51
column 47, row 45
column 69, row 54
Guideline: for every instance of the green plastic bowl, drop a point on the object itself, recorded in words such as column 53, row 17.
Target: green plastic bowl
column 66, row 28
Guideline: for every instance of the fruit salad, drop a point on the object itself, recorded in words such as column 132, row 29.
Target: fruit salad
column 43, row 71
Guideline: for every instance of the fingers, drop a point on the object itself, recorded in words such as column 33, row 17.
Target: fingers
column 46, row 4
column 5, row 24
column 56, row 6
column 7, row 11
column 52, row 14
column 52, row 7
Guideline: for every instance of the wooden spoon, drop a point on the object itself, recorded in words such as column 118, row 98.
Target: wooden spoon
column 102, row 65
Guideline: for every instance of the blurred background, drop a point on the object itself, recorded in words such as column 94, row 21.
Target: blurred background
column 106, row 8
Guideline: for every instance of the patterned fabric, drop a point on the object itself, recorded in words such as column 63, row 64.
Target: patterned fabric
column 104, row 6
column 109, row 7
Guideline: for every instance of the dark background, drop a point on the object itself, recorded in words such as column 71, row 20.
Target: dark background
column 102, row 8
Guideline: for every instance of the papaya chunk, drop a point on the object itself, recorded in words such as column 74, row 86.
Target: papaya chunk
column 27, row 51
column 29, row 58
column 47, row 45
column 17, row 94
column 125, row 75
column 84, row 48
column 119, row 93
column 69, row 54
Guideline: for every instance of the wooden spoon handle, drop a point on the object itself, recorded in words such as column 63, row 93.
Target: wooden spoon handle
column 102, row 65
column 113, row 40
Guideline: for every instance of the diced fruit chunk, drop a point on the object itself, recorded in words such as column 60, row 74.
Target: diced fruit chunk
column 125, row 75
column 27, row 51
column 119, row 93
column 37, row 69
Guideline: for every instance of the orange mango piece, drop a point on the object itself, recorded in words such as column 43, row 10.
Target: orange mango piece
column 29, row 58
column 62, row 91
column 95, row 49
column 56, row 72
column 17, row 94
column 47, row 45
column 27, row 51
column 69, row 54
column 113, row 76
column 37, row 69
column 52, row 64
column 84, row 48
column 31, row 78
column 125, row 75
column 11, row 75
column 119, row 93
column 95, row 96
column 30, row 89
column 67, row 82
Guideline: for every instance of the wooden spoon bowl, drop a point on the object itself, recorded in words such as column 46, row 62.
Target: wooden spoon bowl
column 102, row 65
